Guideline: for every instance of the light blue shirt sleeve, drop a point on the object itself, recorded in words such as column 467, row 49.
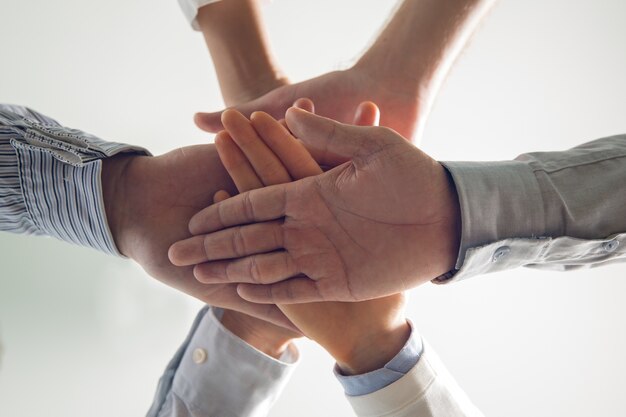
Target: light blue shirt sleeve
column 215, row 373
column 50, row 179
column 396, row 368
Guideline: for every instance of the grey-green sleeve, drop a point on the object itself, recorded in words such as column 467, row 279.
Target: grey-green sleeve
column 550, row 210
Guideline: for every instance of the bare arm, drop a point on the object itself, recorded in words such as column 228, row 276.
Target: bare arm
column 401, row 72
column 236, row 38
column 419, row 44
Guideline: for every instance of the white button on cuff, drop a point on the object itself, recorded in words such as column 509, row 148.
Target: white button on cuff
column 199, row 356
column 500, row 253
column 610, row 246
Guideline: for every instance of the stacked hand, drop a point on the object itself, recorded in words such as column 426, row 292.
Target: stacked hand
column 149, row 201
column 334, row 236
column 260, row 152
column 336, row 95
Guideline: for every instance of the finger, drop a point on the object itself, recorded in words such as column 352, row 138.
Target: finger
column 235, row 242
column 260, row 205
column 292, row 154
column 274, row 103
column 209, row 122
column 220, row 195
column 236, row 163
column 266, row 164
column 367, row 114
column 330, row 142
column 305, row 104
column 187, row 252
column 266, row 268
column 292, row 291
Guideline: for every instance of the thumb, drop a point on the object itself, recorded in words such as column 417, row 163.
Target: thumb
column 273, row 103
column 331, row 143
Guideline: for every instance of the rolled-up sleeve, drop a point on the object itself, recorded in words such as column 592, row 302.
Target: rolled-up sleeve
column 190, row 10
column 550, row 210
column 215, row 373
column 50, row 179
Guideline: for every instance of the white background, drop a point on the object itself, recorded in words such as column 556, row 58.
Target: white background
column 88, row 335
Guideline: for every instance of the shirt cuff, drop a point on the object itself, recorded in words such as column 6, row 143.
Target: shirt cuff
column 499, row 200
column 219, row 374
column 393, row 370
column 59, row 172
column 426, row 390
column 190, row 10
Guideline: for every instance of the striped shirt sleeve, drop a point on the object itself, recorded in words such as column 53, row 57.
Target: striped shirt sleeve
column 50, row 179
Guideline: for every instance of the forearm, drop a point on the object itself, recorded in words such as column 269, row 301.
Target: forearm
column 263, row 336
column 236, row 38
column 374, row 349
column 417, row 47
column 362, row 337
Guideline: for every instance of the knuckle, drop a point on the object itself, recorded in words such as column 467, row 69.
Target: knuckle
column 230, row 273
column 289, row 295
column 248, row 207
column 255, row 271
column 238, row 243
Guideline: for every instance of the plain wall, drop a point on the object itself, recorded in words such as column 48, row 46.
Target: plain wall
column 84, row 334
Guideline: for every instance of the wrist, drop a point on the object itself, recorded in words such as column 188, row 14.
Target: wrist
column 114, row 185
column 236, row 38
column 373, row 349
column 451, row 224
column 265, row 337
column 397, row 71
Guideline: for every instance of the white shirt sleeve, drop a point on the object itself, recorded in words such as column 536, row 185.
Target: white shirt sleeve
column 215, row 373
column 190, row 10
column 427, row 390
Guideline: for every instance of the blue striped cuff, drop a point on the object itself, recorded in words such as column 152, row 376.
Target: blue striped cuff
column 50, row 179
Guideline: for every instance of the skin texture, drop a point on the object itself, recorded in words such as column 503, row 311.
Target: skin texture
column 246, row 69
column 333, row 237
column 336, row 95
column 149, row 201
column 241, row 54
column 361, row 336
column 401, row 71
column 401, row 78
